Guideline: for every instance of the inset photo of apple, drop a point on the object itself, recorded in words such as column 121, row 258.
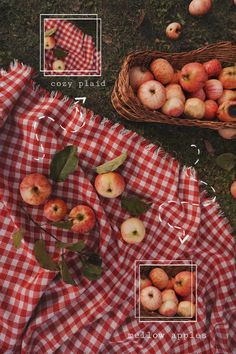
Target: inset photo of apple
column 70, row 46
column 167, row 293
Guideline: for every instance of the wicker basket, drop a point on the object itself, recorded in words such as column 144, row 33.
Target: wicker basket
column 127, row 104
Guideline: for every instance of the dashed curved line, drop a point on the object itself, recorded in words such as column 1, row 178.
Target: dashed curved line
column 198, row 153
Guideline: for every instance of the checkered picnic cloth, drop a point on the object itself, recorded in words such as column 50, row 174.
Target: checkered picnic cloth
column 83, row 59
column 41, row 314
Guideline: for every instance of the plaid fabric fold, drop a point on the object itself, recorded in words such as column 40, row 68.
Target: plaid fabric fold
column 41, row 314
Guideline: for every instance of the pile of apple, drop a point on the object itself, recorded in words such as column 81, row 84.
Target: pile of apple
column 170, row 297
column 197, row 91
column 49, row 44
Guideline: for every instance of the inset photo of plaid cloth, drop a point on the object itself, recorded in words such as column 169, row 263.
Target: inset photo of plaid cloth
column 69, row 51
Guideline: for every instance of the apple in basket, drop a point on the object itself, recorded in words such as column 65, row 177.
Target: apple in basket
column 168, row 308
column 152, row 94
column 173, row 107
column 228, row 77
column 170, row 284
column 173, row 30
column 162, row 70
column 169, row 295
column 211, row 108
column 227, row 111
column 213, row 89
column 58, row 65
column 194, row 108
column 198, row 94
column 49, row 42
column 193, row 77
column 150, row 298
column 55, row 209
column 190, row 297
column 175, row 91
column 184, row 282
column 83, row 218
column 144, row 283
column 132, row 230
column 233, row 189
column 138, row 75
column 228, row 95
column 159, row 278
column 35, row 189
column 213, row 67
column 109, row 185
column 186, row 309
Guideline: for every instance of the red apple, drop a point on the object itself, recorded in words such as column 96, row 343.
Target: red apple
column 152, row 94
column 200, row 7
column 110, row 184
column 193, row 77
column 173, row 30
column 227, row 111
column 35, row 189
column 173, row 107
column 176, row 77
column 159, row 278
column 228, row 95
column 186, row 309
column 162, row 70
column 58, row 65
column 55, row 209
column 150, row 298
column 168, row 308
column 190, row 298
column 198, row 94
column 144, row 283
column 170, row 284
column 213, row 89
column 169, row 295
column 213, row 67
column 138, row 75
column 184, row 283
column 211, row 108
column 49, row 42
column 83, row 218
column 233, row 189
column 228, row 77
column 194, row 108
column 132, row 230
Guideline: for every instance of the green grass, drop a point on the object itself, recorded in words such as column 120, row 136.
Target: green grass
column 122, row 33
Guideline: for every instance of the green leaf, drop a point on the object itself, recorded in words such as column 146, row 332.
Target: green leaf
column 95, row 259
column 91, row 271
column 63, row 224
column 134, row 205
column 112, row 165
column 226, row 161
column 43, row 257
column 50, row 32
column 64, row 163
column 65, row 273
column 17, row 237
column 59, row 53
column 77, row 247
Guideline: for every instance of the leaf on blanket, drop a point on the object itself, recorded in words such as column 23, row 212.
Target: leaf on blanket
column 59, row 53
column 50, row 32
column 112, row 165
column 77, row 247
column 134, row 205
column 226, row 161
column 95, row 259
column 67, row 224
column 17, row 237
column 43, row 257
column 63, row 163
column 65, row 273
column 92, row 267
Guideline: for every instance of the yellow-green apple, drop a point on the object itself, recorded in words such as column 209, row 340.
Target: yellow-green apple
column 162, row 70
column 109, row 185
column 200, row 7
column 193, row 77
column 228, row 95
column 184, row 283
column 35, row 189
column 55, row 209
column 213, row 89
column 211, row 108
column 175, row 91
column 49, row 42
column 168, row 308
column 198, row 94
column 173, row 30
column 194, row 108
column 58, row 65
column 152, row 94
column 233, row 189
column 227, row 133
column 186, row 309
column 150, row 298
column 173, row 107
column 213, row 67
column 83, row 219
column 227, row 111
column 144, row 283
column 228, row 77
column 169, row 295
column 138, row 75
column 170, row 284
column 132, row 230
column 159, row 278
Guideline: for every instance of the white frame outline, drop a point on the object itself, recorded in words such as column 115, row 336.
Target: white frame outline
column 98, row 41
column 157, row 263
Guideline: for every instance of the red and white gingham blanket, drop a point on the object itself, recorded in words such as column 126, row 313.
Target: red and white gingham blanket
column 41, row 314
column 83, row 59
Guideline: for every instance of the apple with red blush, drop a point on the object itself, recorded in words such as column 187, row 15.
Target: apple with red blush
column 55, row 209
column 211, row 108
column 184, row 283
column 213, row 67
column 162, row 70
column 83, row 219
column 152, row 94
column 144, row 282
column 150, row 298
column 138, row 75
column 159, row 278
column 35, row 189
column 132, row 230
column 109, row 185
column 193, row 77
